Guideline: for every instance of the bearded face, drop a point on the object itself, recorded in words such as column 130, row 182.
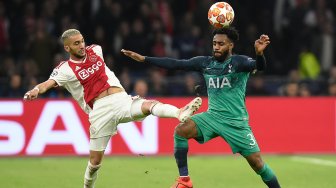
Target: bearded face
column 222, row 47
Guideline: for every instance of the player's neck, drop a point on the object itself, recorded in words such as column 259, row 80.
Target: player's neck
column 228, row 56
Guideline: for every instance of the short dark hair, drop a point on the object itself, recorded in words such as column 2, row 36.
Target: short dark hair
column 230, row 32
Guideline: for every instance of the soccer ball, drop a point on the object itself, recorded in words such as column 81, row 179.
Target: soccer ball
column 220, row 14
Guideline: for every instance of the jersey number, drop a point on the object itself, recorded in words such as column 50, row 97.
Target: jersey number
column 251, row 137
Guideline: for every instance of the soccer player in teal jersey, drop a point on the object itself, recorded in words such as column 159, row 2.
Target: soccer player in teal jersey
column 226, row 76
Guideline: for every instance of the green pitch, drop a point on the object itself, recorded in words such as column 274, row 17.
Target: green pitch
column 229, row 171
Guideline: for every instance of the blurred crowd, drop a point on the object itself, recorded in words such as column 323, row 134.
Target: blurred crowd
column 301, row 58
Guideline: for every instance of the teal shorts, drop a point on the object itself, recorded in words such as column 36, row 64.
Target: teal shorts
column 237, row 134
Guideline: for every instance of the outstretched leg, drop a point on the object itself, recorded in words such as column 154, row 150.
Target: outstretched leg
column 266, row 173
column 166, row 110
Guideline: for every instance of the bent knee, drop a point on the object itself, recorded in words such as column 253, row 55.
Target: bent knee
column 96, row 157
column 256, row 162
column 95, row 162
column 147, row 106
column 187, row 129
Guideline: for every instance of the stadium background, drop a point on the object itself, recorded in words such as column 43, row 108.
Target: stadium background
column 300, row 83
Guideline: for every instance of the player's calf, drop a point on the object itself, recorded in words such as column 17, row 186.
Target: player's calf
column 91, row 174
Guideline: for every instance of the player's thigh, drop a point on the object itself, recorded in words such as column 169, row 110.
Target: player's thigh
column 240, row 138
column 97, row 148
column 140, row 108
column 206, row 127
column 108, row 112
column 99, row 144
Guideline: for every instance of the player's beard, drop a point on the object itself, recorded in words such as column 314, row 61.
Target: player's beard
column 222, row 57
column 78, row 55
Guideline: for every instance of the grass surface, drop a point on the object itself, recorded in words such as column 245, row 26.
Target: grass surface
column 158, row 172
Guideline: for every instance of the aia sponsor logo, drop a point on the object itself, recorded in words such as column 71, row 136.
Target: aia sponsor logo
column 85, row 73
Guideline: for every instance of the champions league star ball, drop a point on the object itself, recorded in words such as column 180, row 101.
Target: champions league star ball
column 220, row 15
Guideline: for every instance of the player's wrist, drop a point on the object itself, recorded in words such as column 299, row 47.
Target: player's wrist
column 144, row 59
column 259, row 53
column 37, row 89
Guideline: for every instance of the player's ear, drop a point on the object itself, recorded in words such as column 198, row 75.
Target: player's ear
column 231, row 45
column 66, row 48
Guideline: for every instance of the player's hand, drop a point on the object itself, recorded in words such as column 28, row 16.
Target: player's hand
column 133, row 55
column 31, row 95
column 261, row 43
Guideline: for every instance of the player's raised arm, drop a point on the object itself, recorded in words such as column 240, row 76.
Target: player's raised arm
column 261, row 43
column 133, row 55
column 39, row 89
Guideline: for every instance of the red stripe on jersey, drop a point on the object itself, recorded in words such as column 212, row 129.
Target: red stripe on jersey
column 91, row 74
column 90, row 47
column 60, row 64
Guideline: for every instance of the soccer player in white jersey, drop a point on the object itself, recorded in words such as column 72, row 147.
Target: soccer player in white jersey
column 99, row 93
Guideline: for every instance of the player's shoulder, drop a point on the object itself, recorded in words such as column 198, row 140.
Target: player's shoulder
column 93, row 46
column 60, row 69
column 202, row 58
column 61, row 65
column 241, row 58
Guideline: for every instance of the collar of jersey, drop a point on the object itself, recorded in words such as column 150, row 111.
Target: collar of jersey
column 225, row 62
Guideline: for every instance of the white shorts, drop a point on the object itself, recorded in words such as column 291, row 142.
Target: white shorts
column 111, row 110
column 99, row 144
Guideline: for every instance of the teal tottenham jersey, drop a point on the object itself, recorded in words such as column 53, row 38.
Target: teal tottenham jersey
column 225, row 81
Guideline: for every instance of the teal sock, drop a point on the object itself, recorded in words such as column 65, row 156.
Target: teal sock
column 181, row 154
column 268, row 176
column 180, row 142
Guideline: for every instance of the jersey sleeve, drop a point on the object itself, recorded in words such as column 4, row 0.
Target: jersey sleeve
column 195, row 63
column 247, row 64
column 59, row 76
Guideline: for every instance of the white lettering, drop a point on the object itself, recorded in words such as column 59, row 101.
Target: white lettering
column 44, row 135
column 85, row 73
column 90, row 70
column 145, row 143
column 12, row 130
column 95, row 67
column 211, row 83
column 225, row 82
column 11, row 108
column 16, row 137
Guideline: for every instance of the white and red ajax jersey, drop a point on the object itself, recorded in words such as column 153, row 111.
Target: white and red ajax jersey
column 86, row 79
